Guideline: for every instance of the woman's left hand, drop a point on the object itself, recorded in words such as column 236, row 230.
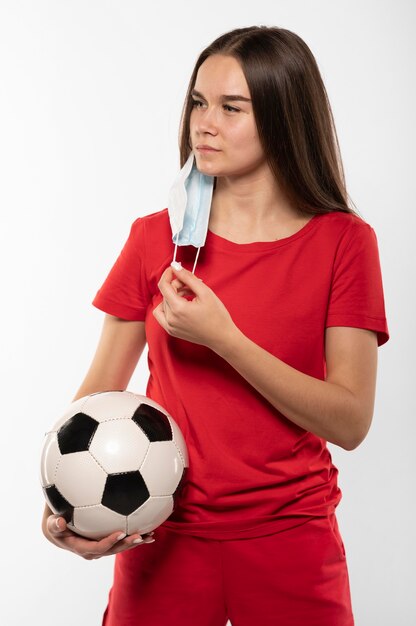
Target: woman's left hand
column 203, row 320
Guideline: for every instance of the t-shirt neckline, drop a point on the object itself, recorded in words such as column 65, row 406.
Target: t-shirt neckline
column 216, row 241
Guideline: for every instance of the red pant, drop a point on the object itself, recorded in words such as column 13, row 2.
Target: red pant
column 297, row 577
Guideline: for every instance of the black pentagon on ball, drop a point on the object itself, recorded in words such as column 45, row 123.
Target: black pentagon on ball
column 124, row 492
column 58, row 503
column 77, row 433
column 153, row 422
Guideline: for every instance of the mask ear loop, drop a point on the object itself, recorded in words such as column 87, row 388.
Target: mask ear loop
column 196, row 258
column 176, row 247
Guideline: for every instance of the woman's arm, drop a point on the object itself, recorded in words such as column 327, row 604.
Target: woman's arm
column 338, row 409
column 118, row 352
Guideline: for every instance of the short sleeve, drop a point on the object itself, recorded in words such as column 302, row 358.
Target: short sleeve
column 356, row 296
column 125, row 291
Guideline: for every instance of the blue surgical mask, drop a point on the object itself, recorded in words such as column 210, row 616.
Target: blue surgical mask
column 189, row 206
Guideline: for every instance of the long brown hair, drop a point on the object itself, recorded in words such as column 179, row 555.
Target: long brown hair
column 292, row 113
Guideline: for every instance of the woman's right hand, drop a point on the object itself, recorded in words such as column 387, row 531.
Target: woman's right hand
column 55, row 529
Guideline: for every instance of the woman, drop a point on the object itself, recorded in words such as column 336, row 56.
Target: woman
column 264, row 356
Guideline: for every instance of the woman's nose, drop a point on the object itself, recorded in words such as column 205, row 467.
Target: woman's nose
column 207, row 121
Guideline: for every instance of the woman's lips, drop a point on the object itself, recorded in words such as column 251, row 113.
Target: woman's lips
column 206, row 149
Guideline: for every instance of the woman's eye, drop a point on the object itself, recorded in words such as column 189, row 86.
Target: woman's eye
column 227, row 106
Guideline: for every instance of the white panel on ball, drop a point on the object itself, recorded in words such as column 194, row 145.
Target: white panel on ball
column 49, row 459
column 162, row 468
column 96, row 521
column 80, row 478
column 179, row 441
column 119, row 446
column 111, row 405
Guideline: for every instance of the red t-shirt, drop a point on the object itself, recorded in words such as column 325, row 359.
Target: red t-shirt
column 252, row 471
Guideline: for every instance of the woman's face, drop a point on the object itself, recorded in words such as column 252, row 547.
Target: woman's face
column 223, row 123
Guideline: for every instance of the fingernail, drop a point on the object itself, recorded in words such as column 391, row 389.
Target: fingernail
column 57, row 523
column 138, row 540
column 120, row 537
column 177, row 265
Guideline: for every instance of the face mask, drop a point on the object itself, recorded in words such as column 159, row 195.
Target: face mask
column 189, row 206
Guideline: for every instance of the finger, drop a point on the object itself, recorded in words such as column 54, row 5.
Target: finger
column 159, row 314
column 56, row 525
column 181, row 289
column 192, row 285
column 184, row 291
column 136, row 545
column 189, row 279
column 166, row 288
column 167, row 275
column 91, row 548
column 130, row 542
column 177, row 284
column 136, row 537
column 121, row 538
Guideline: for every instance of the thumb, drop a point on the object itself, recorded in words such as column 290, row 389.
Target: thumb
column 56, row 524
column 186, row 276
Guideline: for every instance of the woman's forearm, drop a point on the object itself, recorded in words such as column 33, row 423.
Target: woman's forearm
column 325, row 409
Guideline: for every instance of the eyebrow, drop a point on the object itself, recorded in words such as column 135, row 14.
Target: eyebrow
column 233, row 98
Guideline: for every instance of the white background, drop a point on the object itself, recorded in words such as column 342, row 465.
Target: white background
column 90, row 99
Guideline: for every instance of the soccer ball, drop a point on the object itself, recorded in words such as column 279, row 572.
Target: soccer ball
column 115, row 460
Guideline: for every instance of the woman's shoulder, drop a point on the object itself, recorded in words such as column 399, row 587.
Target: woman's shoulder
column 156, row 216
column 345, row 223
column 152, row 234
column 156, row 222
column 344, row 217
